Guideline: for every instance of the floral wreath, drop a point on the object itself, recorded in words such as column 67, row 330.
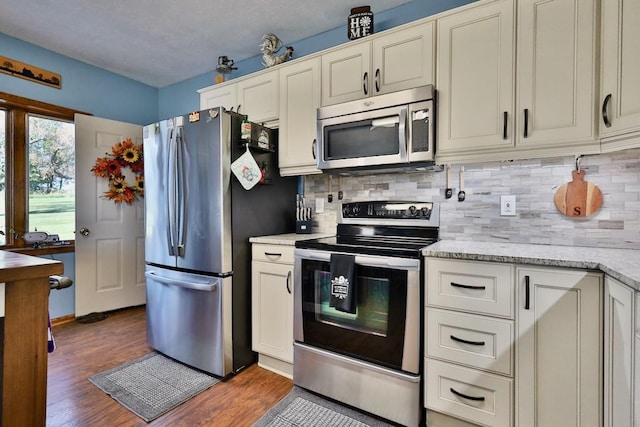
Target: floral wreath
column 123, row 154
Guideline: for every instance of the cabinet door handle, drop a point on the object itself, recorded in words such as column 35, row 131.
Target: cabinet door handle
column 288, row 282
column 313, row 149
column 527, row 301
column 365, row 83
column 455, row 338
column 377, row 79
column 605, row 111
column 526, row 122
column 464, row 396
column 505, row 118
column 459, row 285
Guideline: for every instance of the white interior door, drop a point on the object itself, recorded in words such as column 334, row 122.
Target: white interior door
column 110, row 253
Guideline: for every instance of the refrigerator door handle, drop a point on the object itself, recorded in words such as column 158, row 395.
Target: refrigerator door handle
column 170, row 186
column 181, row 192
column 198, row 286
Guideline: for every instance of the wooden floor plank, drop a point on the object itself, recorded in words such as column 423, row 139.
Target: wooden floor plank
column 84, row 350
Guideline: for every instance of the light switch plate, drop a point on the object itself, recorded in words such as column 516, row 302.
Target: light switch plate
column 319, row 205
column 507, row 205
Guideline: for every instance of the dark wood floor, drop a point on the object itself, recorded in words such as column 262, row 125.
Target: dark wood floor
column 86, row 349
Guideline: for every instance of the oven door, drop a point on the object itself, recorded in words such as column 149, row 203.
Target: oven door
column 385, row 329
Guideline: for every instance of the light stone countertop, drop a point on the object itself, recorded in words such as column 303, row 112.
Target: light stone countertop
column 289, row 239
column 621, row 264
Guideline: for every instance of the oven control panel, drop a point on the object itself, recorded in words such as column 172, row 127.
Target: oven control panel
column 388, row 210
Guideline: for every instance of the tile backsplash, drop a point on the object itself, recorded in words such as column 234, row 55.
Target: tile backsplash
column 533, row 182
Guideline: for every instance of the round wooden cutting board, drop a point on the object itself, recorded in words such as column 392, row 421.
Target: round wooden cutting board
column 578, row 197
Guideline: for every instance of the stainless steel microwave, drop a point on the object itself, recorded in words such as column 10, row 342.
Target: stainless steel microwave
column 393, row 130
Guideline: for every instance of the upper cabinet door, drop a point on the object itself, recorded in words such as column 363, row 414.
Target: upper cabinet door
column 556, row 72
column 219, row 96
column 399, row 60
column 404, row 59
column 258, row 97
column 475, row 79
column 620, row 68
column 299, row 100
column 345, row 74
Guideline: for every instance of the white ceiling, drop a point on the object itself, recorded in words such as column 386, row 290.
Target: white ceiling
column 161, row 42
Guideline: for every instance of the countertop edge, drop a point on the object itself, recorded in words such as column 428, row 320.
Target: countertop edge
column 621, row 264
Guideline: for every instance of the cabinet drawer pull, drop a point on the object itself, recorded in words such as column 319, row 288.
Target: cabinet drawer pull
column 464, row 396
column 505, row 118
column 455, row 338
column 605, row 111
column 526, row 122
column 365, row 83
column 526, row 293
column 272, row 254
column 458, row 285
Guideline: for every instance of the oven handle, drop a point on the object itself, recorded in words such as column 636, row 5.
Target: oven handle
column 366, row 261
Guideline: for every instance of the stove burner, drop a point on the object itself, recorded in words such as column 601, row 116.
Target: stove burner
column 399, row 229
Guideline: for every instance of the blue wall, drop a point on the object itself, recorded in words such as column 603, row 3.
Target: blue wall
column 104, row 94
column 182, row 97
column 86, row 88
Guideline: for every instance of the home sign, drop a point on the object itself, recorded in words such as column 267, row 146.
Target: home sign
column 360, row 22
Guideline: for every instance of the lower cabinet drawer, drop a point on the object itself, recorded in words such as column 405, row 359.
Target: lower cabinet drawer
column 281, row 254
column 477, row 397
column 477, row 341
column 472, row 286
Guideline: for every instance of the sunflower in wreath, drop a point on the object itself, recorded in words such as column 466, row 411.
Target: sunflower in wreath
column 124, row 154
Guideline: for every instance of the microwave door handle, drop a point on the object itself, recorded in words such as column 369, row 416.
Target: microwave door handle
column 402, row 134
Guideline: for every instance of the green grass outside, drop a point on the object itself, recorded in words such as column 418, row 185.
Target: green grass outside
column 53, row 213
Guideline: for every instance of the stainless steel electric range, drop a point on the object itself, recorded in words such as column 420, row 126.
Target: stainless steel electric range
column 369, row 354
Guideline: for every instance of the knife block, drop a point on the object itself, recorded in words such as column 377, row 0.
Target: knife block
column 303, row 227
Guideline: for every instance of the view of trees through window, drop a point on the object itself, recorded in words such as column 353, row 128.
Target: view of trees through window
column 51, row 176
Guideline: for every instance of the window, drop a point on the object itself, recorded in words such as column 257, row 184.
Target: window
column 37, row 170
column 51, row 176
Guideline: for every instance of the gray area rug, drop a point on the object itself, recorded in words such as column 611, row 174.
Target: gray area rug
column 152, row 385
column 301, row 408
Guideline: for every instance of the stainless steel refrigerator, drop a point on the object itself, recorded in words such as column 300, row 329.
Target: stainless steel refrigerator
column 198, row 221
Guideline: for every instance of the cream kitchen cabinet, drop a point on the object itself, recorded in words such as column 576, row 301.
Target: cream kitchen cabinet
column 636, row 368
column 220, row 95
column 558, row 347
column 256, row 96
column 299, row 90
column 619, row 334
column 393, row 61
column 620, row 74
column 517, row 80
column 469, row 339
column 272, row 306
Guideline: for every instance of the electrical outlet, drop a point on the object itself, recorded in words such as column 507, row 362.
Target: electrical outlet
column 508, row 205
column 319, row 205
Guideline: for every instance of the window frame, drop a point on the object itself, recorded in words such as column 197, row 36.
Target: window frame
column 17, row 111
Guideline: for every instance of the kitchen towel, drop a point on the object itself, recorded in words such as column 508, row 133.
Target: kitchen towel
column 246, row 170
column 343, row 289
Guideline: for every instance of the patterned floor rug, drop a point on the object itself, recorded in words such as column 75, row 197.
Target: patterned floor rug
column 152, row 385
column 301, row 408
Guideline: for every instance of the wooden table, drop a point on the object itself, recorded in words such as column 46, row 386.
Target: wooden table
column 24, row 353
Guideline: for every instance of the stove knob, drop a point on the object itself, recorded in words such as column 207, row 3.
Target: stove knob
column 412, row 210
column 355, row 210
column 345, row 211
column 426, row 213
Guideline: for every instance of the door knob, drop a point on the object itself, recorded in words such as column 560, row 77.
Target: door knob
column 84, row 231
